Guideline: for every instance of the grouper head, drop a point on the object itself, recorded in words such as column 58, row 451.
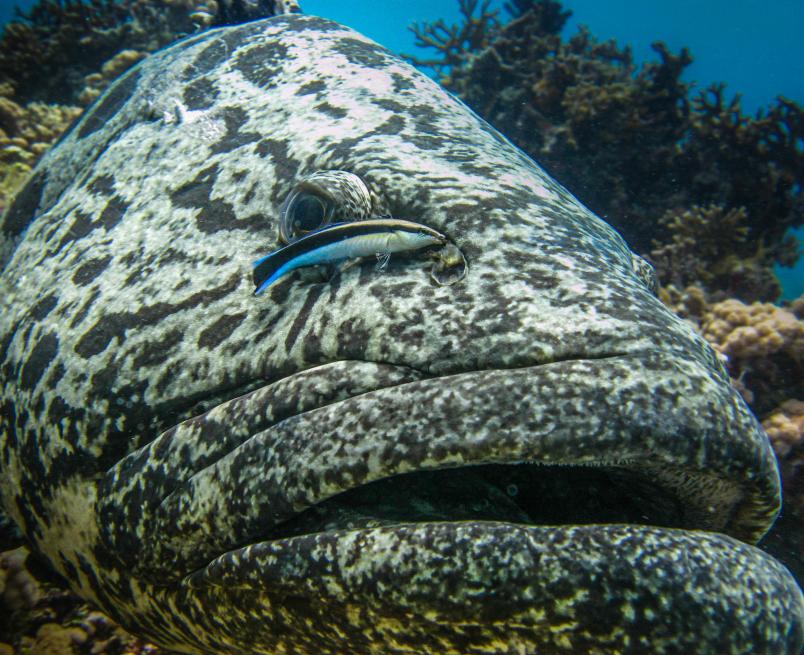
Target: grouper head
column 530, row 455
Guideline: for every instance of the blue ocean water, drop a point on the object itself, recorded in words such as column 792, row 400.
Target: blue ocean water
column 752, row 45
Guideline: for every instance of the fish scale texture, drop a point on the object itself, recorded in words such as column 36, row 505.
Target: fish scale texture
column 158, row 419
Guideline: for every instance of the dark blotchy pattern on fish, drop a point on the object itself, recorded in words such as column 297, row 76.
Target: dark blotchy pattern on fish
column 129, row 301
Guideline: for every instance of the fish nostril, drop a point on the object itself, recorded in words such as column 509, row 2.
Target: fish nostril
column 449, row 265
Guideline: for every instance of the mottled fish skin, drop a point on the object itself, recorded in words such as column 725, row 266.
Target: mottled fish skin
column 157, row 418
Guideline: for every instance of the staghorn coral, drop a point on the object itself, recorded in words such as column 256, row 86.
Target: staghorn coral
column 709, row 246
column 455, row 42
column 751, row 162
column 764, row 347
column 632, row 142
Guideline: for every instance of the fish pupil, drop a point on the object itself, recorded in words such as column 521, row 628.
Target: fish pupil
column 308, row 213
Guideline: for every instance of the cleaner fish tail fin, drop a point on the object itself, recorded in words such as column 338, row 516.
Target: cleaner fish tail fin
column 267, row 270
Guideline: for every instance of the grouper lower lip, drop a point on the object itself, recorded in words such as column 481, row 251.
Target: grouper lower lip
column 363, row 422
column 559, row 589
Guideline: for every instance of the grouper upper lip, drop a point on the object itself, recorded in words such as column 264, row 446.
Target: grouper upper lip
column 263, row 452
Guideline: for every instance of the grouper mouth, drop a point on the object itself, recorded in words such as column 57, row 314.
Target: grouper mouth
column 568, row 503
column 352, row 448
column 524, row 494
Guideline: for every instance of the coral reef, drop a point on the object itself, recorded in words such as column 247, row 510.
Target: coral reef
column 785, row 427
column 25, row 134
column 710, row 246
column 631, row 141
column 41, row 619
column 47, row 53
column 763, row 346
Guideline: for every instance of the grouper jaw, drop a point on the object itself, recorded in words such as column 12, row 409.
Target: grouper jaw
column 505, row 575
column 381, row 422
column 450, row 582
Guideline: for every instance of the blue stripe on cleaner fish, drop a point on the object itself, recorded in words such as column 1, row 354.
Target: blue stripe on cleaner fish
column 343, row 241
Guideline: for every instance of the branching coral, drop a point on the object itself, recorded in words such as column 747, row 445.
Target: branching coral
column 710, row 246
column 455, row 42
column 631, row 142
column 756, row 163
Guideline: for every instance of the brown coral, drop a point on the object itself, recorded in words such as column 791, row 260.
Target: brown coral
column 26, row 132
column 38, row 618
column 690, row 303
column 18, row 589
column 709, row 246
column 95, row 83
column 763, row 345
column 785, row 427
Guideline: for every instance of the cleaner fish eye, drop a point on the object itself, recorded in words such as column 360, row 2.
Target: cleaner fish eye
column 320, row 199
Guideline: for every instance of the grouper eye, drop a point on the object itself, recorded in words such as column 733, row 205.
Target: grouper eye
column 306, row 213
column 322, row 198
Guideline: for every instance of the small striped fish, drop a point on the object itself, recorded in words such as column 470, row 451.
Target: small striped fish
column 344, row 241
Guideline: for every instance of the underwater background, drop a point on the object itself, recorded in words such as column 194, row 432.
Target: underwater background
column 647, row 131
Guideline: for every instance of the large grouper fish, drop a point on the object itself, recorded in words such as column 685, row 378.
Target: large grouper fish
column 532, row 455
